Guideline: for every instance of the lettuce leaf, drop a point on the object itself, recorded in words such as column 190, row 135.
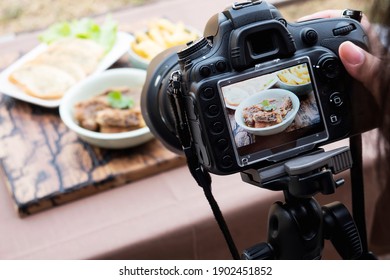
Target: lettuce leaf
column 108, row 33
column 85, row 28
column 117, row 100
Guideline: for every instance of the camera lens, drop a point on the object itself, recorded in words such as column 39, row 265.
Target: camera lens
column 155, row 104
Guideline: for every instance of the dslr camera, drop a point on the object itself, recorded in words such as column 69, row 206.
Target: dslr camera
column 256, row 90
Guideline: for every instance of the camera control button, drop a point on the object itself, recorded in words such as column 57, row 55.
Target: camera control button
column 221, row 66
column 337, row 99
column 227, row 161
column 213, row 110
column 217, row 127
column 205, row 71
column 310, row 36
column 344, row 30
column 334, row 119
column 208, row 93
column 330, row 67
column 222, row 144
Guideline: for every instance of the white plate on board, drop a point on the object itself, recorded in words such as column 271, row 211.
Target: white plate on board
column 121, row 47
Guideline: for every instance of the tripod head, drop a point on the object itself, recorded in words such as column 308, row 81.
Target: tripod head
column 303, row 176
column 297, row 228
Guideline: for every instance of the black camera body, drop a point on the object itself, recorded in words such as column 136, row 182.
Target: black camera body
column 250, row 55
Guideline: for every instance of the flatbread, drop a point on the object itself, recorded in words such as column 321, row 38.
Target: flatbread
column 71, row 67
column 62, row 65
column 85, row 53
column 42, row 80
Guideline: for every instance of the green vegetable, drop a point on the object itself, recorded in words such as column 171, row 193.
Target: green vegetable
column 85, row 28
column 117, row 100
column 267, row 106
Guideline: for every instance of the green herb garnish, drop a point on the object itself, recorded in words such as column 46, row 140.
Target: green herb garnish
column 117, row 100
column 267, row 106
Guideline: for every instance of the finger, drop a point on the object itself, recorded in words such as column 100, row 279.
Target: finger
column 322, row 14
column 361, row 65
column 334, row 14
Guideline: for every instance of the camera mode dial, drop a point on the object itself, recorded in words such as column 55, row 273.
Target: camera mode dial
column 192, row 48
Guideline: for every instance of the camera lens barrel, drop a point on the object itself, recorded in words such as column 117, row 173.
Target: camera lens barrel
column 155, row 104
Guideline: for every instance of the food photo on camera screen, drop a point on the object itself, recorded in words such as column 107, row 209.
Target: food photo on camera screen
column 256, row 89
column 269, row 109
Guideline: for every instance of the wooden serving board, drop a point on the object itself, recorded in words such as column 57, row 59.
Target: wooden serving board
column 45, row 165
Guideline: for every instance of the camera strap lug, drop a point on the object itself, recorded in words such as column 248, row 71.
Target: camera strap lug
column 176, row 97
column 177, row 104
column 353, row 14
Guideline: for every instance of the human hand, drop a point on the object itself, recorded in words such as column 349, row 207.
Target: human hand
column 335, row 14
column 360, row 64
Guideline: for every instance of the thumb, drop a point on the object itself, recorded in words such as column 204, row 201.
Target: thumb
column 360, row 64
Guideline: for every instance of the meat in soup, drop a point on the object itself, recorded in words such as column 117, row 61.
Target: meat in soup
column 114, row 110
column 267, row 113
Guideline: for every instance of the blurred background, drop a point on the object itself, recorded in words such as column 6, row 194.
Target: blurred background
column 24, row 15
column 67, row 229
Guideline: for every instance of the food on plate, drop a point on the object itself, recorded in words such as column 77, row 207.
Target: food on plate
column 160, row 35
column 74, row 51
column 235, row 96
column 86, row 28
column 85, row 53
column 41, row 80
column 298, row 75
column 268, row 112
column 60, row 66
column 114, row 110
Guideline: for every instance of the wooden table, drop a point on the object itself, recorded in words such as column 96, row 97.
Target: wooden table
column 44, row 163
column 41, row 168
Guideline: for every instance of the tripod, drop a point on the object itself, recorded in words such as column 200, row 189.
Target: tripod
column 298, row 227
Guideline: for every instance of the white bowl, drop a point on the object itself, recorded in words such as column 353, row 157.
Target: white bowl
column 136, row 60
column 299, row 90
column 299, row 73
column 140, row 62
column 256, row 99
column 95, row 85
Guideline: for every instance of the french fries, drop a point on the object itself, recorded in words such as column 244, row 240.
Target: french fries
column 160, row 35
column 298, row 75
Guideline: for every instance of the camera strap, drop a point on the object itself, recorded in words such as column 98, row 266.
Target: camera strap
column 357, row 190
column 201, row 176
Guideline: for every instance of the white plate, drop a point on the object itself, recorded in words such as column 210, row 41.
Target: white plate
column 121, row 46
column 248, row 88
